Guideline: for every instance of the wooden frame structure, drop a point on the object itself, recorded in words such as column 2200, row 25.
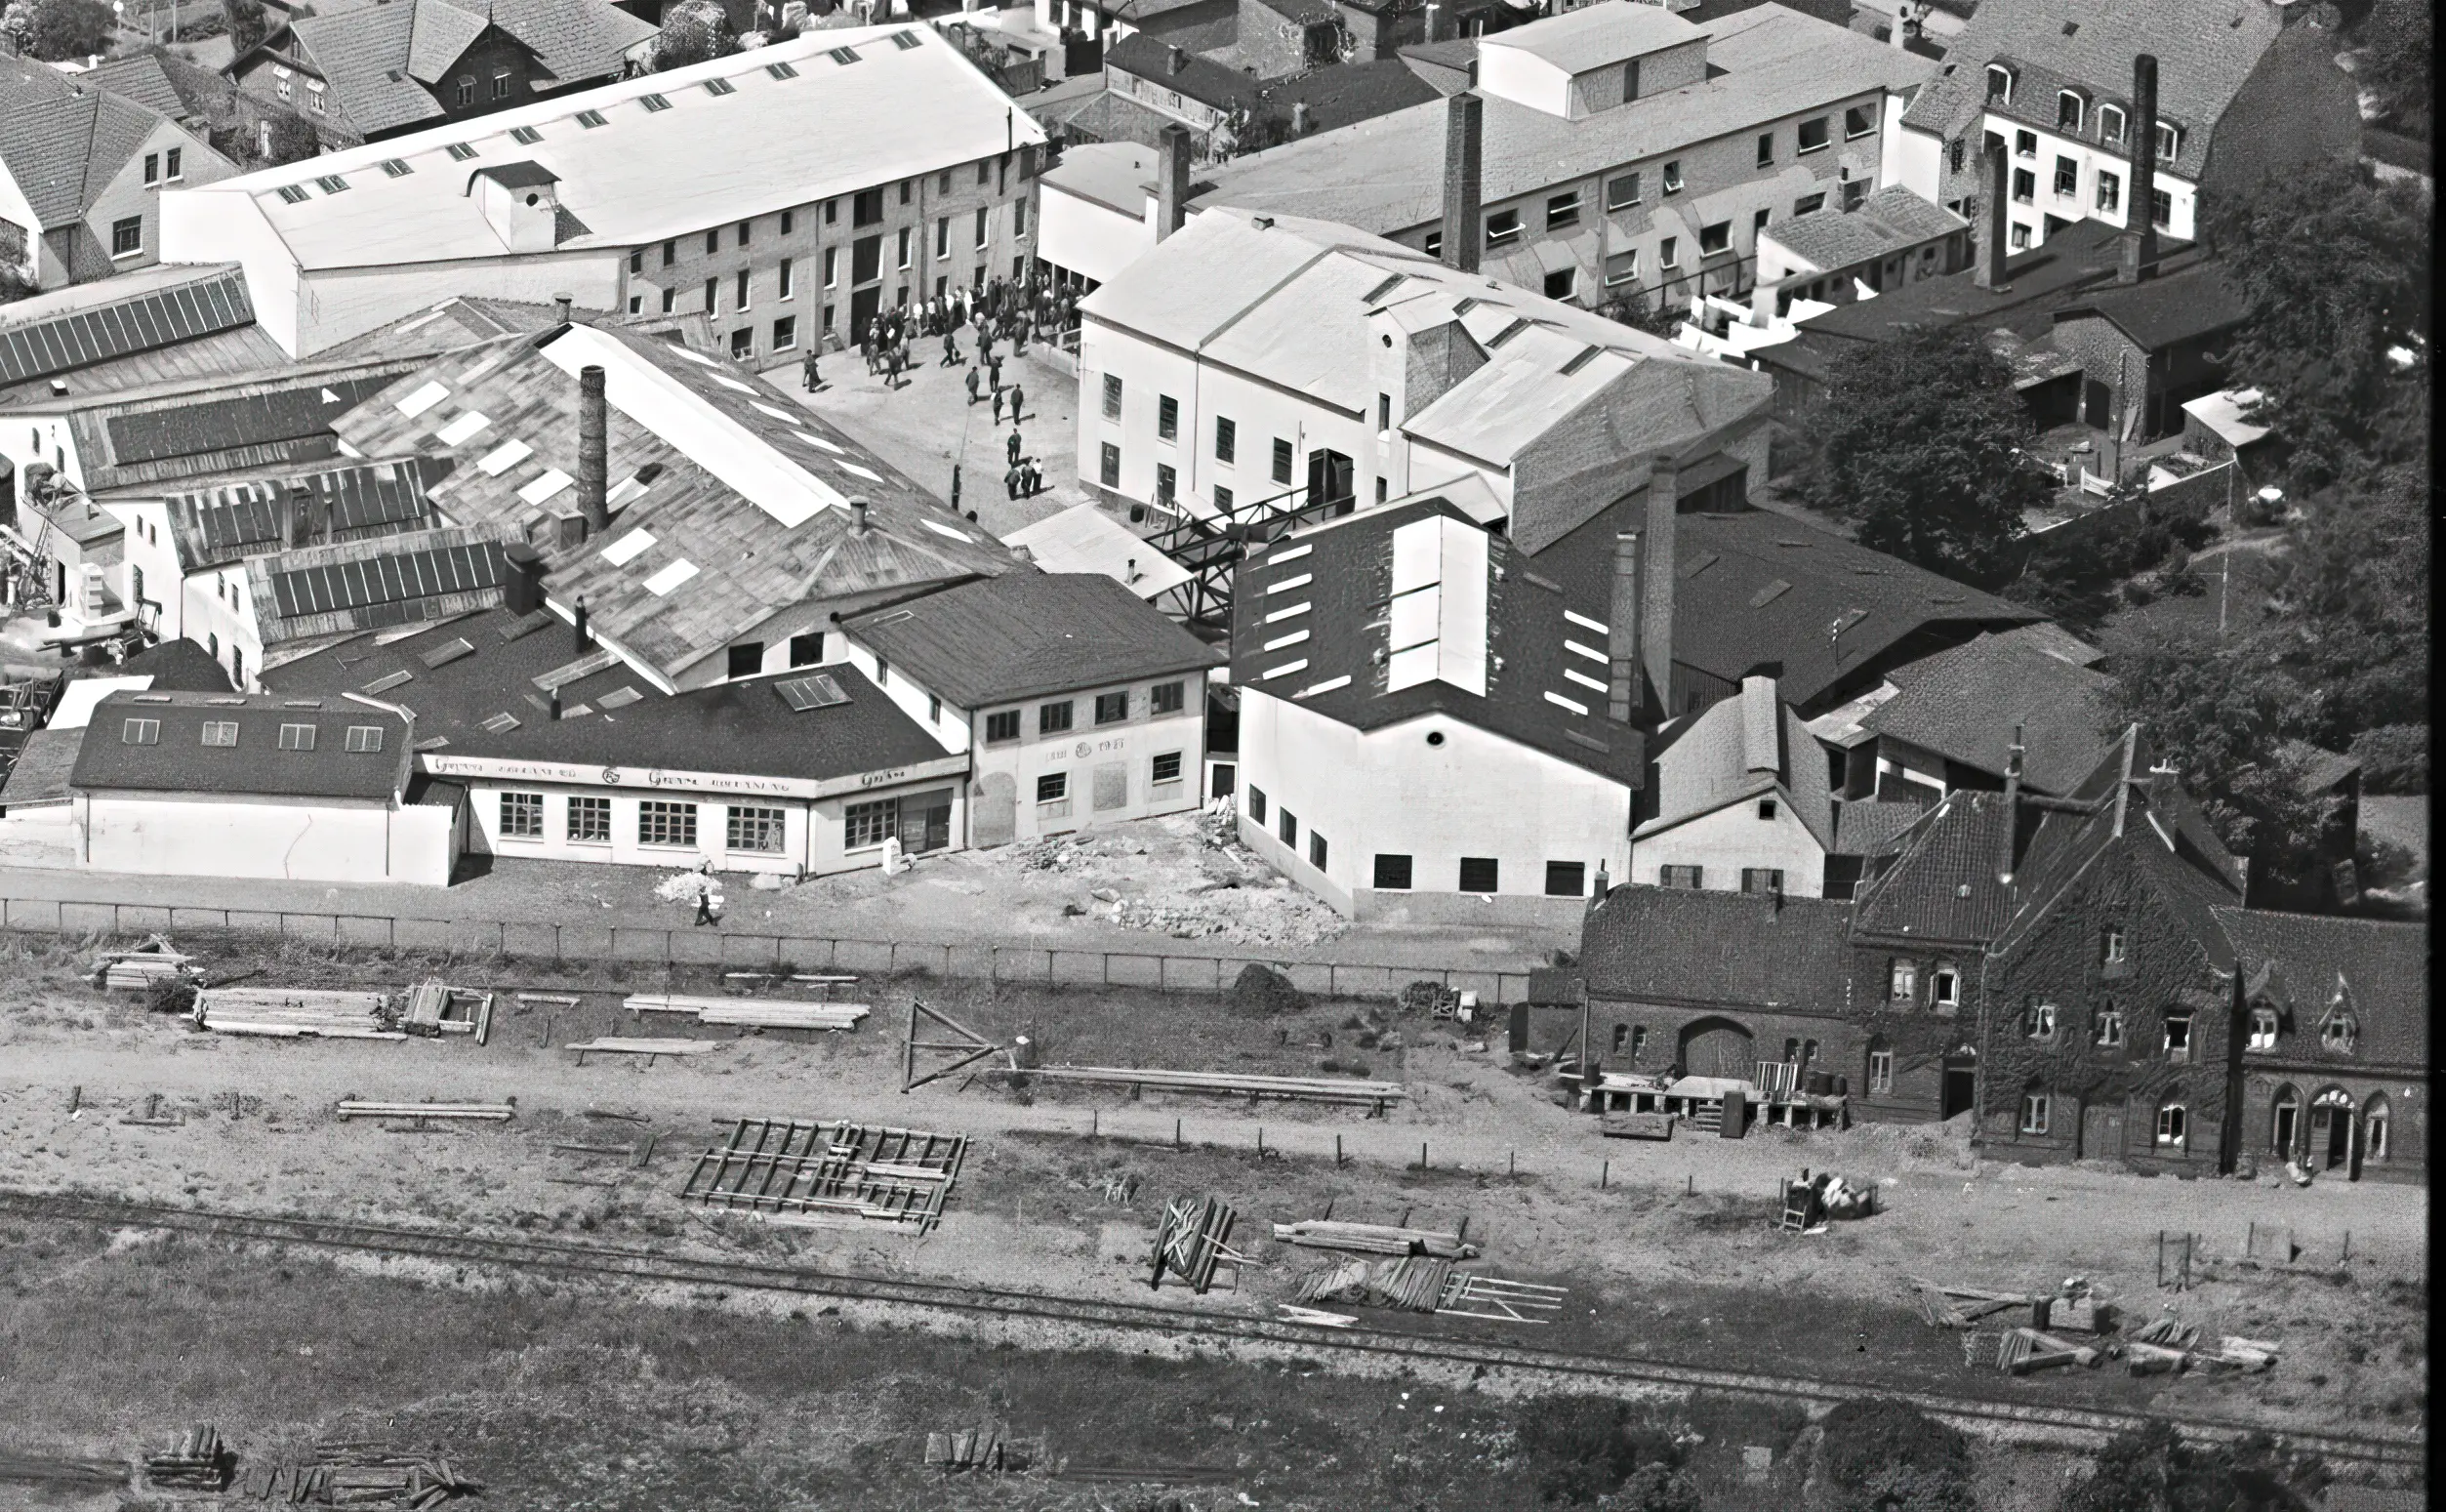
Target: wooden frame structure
column 778, row 1166
column 1194, row 1241
column 1468, row 1296
column 969, row 1048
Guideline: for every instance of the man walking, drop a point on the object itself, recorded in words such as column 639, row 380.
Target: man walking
column 1013, row 445
column 807, row 371
column 1016, row 393
column 972, row 386
column 998, row 406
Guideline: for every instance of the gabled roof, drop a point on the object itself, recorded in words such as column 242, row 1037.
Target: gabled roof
column 479, row 685
column 1750, row 746
column 2382, row 968
column 1593, row 36
column 731, row 501
column 1315, row 621
column 179, row 666
column 1335, row 95
column 1873, row 826
column 1942, row 884
column 2205, row 50
column 1964, row 704
column 388, row 61
column 2182, row 304
column 1024, row 634
column 1758, row 588
column 1893, row 220
column 376, row 583
column 217, row 521
column 1386, row 175
column 63, row 142
column 87, row 324
column 1678, row 945
column 256, row 761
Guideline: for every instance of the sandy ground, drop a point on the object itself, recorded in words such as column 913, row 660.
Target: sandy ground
column 1666, row 1246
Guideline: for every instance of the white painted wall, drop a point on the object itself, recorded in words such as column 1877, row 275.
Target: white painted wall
column 336, row 303
column 43, row 835
column 231, row 227
column 1524, row 78
column 15, row 210
column 2181, row 222
column 1088, row 236
column 1912, row 158
column 1724, row 842
column 812, row 830
column 1388, row 791
column 197, row 834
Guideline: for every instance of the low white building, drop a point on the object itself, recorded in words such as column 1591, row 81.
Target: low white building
column 1741, row 801
column 1097, row 211
column 1076, row 702
column 1427, row 726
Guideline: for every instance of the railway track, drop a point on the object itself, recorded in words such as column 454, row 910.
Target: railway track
column 2068, row 1425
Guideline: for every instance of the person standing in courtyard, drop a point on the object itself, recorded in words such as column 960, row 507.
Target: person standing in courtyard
column 1016, row 394
column 973, row 385
column 1013, row 445
column 808, row 372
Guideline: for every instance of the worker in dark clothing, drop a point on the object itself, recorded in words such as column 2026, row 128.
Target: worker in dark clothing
column 1010, row 482
column 998, row 406
column 1013, row 445
column 973, row 385
column 807, row 371
column 1016, row 393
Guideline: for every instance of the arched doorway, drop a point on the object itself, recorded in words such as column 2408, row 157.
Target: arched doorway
column 1961, row 1089
column 2375, row 1130
column 2331, row 1130
column 2284, row 1122
column 1718, row 1048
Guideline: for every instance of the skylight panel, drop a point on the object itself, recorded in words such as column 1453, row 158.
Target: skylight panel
column 332, row 184
column 462, row 429
column 843, row 55
column 1328, row 685
column 501, row 459
column 942, row 529
column 718, row 87
column 732, row 383
column 1585, row 622
column 653, row 102
column 460, row 151
column 628, row 547
column 590, row 119
column 819, row 443
column 293, row 194
column 781, row 70
column 397, row 168
column 817, row 690
column 693, row 357
column 869, row 474
column 670, row 577
column 424, row 398
column 905, row 40
column 776, row 411
column 546, row 483
column 1572, row 704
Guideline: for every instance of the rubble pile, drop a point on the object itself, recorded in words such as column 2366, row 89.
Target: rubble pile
column 1185, row 877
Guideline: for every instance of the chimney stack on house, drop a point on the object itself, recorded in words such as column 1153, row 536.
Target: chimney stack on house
column 2013, row 808
column 561, row 303
column 577, row 625
column 1435, row 20
column 592, row 446
column 1174, row 60
column 1656, row 599
column 1464, row 140
column 1991, row 248
column 1171, row 180
column 858, row 515
column 1622, row 700
column 1302, row 122
column 522, row 587
column 2139, row 214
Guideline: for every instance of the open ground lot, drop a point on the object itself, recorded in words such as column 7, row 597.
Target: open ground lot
column 1666, row 1250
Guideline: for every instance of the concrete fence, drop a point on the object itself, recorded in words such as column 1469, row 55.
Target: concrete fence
column 637, row 945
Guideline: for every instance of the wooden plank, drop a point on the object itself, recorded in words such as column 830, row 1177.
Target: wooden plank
column 649, row 1046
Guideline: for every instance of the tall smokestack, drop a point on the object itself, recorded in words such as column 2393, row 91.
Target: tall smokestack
column 1992, row 249
column 2139, row 218
column 1464, row 136
column 1171, row 180
column 1622, row 702
column 591, row 462
column 2013, row 807
column 577, row 623
column 1655, row 599
column 1435, row 20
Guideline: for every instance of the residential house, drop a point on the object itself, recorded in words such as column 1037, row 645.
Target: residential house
column 362, row 70
column 715, row 533
column 1626, row 156
column 82, row 172
column 1077, row 702
column 1196, row 26
column 1430, row 727
column 1948, row 721
column 811, row 235
column 2251, row 91
column 1149, row 85
column 564, row 752
column 203, row 101
column 1740, row 803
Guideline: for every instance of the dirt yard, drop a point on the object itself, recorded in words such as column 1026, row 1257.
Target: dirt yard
column 1667, row 1250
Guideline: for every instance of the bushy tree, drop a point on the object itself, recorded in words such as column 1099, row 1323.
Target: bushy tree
column 694, row 31
column 2392, row 61
column 2394, row 758
column 248, row 26
column 1919, row 443
column 2352, row 604
column 57, row 31
column 2151, row 1469
column 1584, row 1448
column 1885, row 1456
column 291, row 140
column 2072, row 573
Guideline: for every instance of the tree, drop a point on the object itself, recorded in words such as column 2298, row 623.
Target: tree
column 1884, row 1455
column 2151, row 1469
column 2333, row 267
column 2391, row 59
column 2354, row 604
column 694, row 31
column 1585, row 1447
column 291, row 140
column 2072, row 573
column 57, row 31
column 247, row 25
column 1919, row 442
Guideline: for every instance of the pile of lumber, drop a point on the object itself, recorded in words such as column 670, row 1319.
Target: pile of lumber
column 1412, row 1284
column 752, row 1013
column 1230, row 1083
column 293, row 1012
column 141, row 968
column 45, row 1470
column 1373, row 1238
column 437, row 1008
column 362, row 1473
column 645, row 1047
column 1957, row 1307
column 198, row 1462
column 490, row 1111
column 980, row 1449
column 2021, row 1351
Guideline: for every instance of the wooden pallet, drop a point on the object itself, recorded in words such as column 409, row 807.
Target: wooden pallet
column 899, row 1177
column 1467, row 1296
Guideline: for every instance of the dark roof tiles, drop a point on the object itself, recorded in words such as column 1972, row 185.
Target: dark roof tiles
column 1026, row 634
column 1678, row 945
column 156, row 742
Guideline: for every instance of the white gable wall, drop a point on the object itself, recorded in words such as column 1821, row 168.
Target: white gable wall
column 1724, row 840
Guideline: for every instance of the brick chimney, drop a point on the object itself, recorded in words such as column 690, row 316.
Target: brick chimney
column 1622, row 700
column 1991, row 251
column 593, row 462
column 1171, row 180
column 1655, row 599
column 2139, row 246
column 522, row 587
column 1464, row 136
column 576, row 624
column 2013, row 807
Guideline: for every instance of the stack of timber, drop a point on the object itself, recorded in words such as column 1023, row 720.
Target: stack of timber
column 45, row 1470
column 294, row 1012
column 1193, row 1242
column 198, row 1462
column 1373, row 1238
column 752, row 1013
column 2021, row 1351
column 1957, row 1307
column 981, row 1448
column 437, row 1008
column 650, row 1048
column 141, row 968
column 1412, row 1284
column 483, row 1112
column 1341, row 1089
column 362, row 1473
column 800, row 1172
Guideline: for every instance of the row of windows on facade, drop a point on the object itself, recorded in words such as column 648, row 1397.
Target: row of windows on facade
column 1054, row 787
column 2066, row 183
column 2174, row 1118
column 1759, row 879
column 223, row 734
column 746, row 830
column 2288, row 1138
column 1398, row 872
column 1059, row 714
column 2075, row 116
column 866, row 253
column 1168, row 430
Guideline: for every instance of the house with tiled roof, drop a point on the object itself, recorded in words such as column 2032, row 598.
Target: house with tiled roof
column 81, row 173
column 1951, row 718
column 2244, row 88
column 201, row 99
column 1739, row 802
column 359, row 71
column 1149, row 84
column 1835, row 256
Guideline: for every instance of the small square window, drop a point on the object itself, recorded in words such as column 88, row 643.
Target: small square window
column 2040, row 1022
column 1673, row 177
column 2108, row 1032
column 140, row 732
column 1053, row 787
column 590, row 821
column 1859, row 120
column 1686, row 877
column 526, row 135
column 1166, row 418
column 1317, row 850
column 1166, row 697
column 1622, row 191
column 2263, row 1028
column 364, row 739
column 1621, row 267
column 1502, row 226
column 2035, row 1108
column 1112, row 708
column 1111, row 396
column 1562, row 283
column 2177, row 1035
column 2111, row 952
column 1567, row 879
column 1902, row 981
column 1392, row 872
column 755, row 830
column 1562, row 209
column 1880, row 1071
column 1766, row 808
column 746, row 659
column 1257, row 804
column 1945, row 987
column 1815, row 134
column 221, row 732
column 1286, row 825
column 1001, row 725
column 2174, row 1125
column 1053, row 718
column 1762, row 881
column 522, row 816
column 127, row 237
column 1479, row 874
column 1166, row 767
column 297, row 737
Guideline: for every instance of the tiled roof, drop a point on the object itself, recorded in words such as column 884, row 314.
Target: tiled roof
column 1677, row 945
column 144, row 78
column 1740, row 748
column 179, row 666
column 1873, row 826
column 258, row 762
column 1942, row 883
column 610, row 715
column 2302, row 961
column 40, row 773
column 364, row 55
column 573, row 39
column 2205, row 49
column 387, row 60
column 1335, row 95
column 2182, row 305
column 1028, row 633
column 1841, row 610
column 1385, row 175
column 440, row 33
column 1963, row 705
column 1312, row 623
column 63, row 142
column 731, row 501
column 2321, row 770
column 1891, row 220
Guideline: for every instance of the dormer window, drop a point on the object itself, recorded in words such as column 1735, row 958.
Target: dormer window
column 2169, row 142
column 2339, row 1032
column 1999, row 85
column 2070, row 107
column 2111, row 128
column 2263, row 1028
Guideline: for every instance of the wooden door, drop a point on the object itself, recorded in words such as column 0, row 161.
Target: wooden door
column 2101, row 1132
column 1722, row 1050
